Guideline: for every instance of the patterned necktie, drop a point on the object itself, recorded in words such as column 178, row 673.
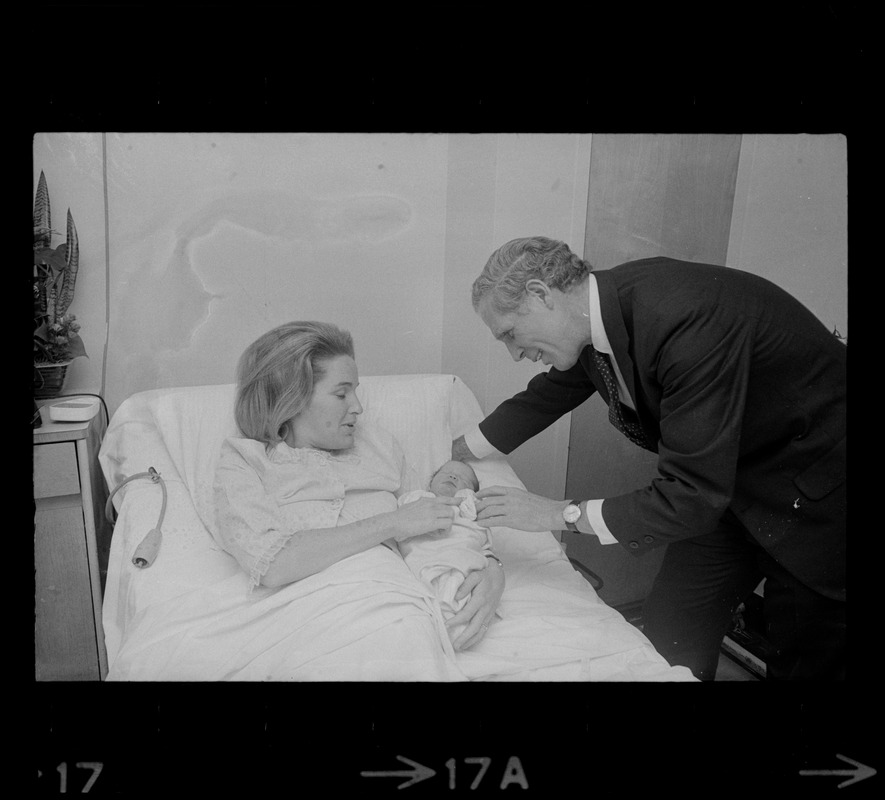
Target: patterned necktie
column 632, row 430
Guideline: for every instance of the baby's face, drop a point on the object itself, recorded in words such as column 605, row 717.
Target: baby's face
column 452, row 477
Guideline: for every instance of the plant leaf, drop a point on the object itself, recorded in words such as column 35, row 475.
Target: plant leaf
column 76, row 348
column 72, row 264
column 42, row 216
column 55, row 258
column 51, row 302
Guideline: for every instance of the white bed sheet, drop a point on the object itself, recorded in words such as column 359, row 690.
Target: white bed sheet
column 190, row 617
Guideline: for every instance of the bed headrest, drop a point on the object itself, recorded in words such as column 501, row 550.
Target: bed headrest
column 179, row 431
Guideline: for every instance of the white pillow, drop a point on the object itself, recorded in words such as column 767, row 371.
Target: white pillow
column 415, row 409
column 193, row 422
column 179, row 431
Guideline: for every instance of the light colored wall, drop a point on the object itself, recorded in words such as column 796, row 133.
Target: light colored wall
column 790, row 221
column 500, row 188
column 216, row 238
column 204, row 241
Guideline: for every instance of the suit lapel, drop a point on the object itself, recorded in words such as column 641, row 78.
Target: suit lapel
column 616, row 329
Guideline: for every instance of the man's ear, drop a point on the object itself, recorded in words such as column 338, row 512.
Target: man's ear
column 540, row 291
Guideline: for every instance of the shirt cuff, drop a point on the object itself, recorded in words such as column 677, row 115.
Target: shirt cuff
column 600, row 529
column 479, row 445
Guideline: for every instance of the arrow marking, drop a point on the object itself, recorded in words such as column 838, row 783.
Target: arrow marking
column 860, row 771
column 418, row 773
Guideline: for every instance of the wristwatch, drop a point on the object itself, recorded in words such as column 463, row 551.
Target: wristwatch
column 571, row 514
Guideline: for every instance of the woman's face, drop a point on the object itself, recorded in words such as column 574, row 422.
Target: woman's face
column 329, row 420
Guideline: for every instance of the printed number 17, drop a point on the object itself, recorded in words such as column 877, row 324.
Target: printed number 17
column 62, row 770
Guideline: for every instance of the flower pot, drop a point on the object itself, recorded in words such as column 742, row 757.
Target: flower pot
column 49, row 379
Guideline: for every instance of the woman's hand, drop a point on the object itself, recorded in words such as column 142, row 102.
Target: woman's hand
column 485, row 587
column 426, row 515
column 515, row 508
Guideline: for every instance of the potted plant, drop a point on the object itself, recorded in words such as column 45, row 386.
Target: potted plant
column 56, row 331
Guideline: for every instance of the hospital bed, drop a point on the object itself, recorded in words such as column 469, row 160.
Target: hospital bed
column 188, row 615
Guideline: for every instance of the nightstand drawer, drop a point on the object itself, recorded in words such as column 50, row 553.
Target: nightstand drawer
column 71, row 538
column 55, row 470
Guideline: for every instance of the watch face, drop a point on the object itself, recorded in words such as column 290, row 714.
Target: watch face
column 571, row 513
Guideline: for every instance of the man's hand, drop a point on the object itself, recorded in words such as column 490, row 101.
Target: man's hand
column 515, row 508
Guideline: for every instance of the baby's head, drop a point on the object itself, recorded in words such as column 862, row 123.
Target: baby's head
column 453, row 476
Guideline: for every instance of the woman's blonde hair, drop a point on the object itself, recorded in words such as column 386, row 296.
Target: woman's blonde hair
column 276, row 375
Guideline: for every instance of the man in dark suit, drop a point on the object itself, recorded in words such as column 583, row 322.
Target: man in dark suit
column 741, row 392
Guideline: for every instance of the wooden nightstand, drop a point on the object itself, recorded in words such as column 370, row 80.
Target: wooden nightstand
column 71, row 541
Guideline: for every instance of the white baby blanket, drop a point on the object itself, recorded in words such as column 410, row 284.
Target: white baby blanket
column 442, row 560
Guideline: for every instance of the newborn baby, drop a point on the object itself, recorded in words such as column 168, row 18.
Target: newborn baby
column 442, row 560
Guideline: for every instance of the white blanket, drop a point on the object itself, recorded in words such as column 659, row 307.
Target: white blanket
column 189, row 616
column 443, row 560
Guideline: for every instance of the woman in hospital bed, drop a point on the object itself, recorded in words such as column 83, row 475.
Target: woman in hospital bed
column 309, row 498
column 308, row 488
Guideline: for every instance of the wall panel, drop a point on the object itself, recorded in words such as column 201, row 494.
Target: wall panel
column 649, row 195
column 791, row 220
column 218, row 238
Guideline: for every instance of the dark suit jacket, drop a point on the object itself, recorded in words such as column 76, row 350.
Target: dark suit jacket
column 742, row 389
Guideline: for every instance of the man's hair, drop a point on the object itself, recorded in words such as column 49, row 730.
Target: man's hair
column 505, row 274
column 276, row 375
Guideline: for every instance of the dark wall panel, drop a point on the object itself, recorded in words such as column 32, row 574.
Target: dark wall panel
column 649, row 195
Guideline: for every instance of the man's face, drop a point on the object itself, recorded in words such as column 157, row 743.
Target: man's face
column 539, row 330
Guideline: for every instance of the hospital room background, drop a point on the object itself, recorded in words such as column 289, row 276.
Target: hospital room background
column 193, row 244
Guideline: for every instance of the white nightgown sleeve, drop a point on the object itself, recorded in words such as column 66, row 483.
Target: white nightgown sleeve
column 248, row 522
